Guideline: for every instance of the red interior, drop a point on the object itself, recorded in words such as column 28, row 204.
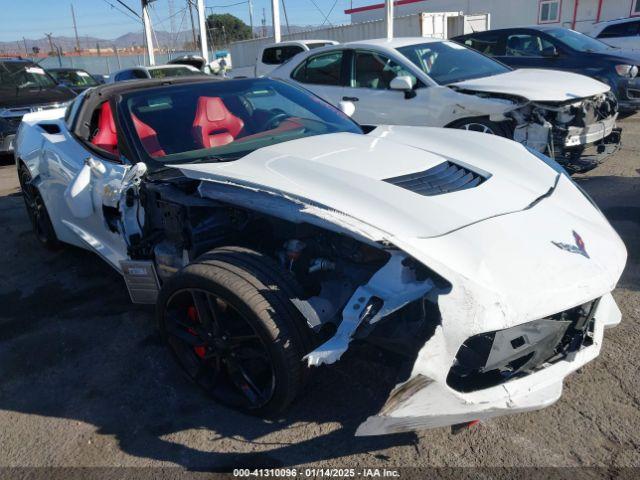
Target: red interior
column 148, row 137
column 106, row 138
column 214, row 125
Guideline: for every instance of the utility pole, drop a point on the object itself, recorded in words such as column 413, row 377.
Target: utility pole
column 202, row 25
column 172, row 23
column 389, row 18
column 251, row 17
column 286, row 18
column 146, row 21
column 48, row 35
column 193, row 28
column 75, row 28
column 275, row 17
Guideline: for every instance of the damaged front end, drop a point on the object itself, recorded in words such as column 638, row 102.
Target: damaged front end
column 579, row 133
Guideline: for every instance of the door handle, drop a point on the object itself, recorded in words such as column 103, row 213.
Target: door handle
column 350, row 99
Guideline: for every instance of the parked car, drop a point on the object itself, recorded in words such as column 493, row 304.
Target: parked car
column 156, row 71
column 25, row 87
column 100, row 78
column 272, row 55
column 269, row 229
column 563, row 49
column 196, row 61
column 76, row 79
column 419, row 81
column 622, row 33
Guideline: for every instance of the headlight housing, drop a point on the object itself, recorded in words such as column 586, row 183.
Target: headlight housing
column 629, row 71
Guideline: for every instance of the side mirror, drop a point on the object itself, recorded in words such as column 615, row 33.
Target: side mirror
column 403, row 83
column 348, row 108
column 550, row 52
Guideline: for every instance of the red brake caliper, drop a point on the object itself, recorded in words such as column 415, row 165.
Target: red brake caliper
column 192, row 313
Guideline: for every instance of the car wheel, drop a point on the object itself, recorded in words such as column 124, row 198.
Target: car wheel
column 229, row 321
column 483, row 126
column 37, row 211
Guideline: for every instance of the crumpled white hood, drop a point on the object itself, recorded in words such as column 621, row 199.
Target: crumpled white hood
column 345, row 172
column 537, row 85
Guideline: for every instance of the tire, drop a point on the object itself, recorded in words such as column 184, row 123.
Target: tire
column 483, row 125
column 229, row 322
column 37, row 211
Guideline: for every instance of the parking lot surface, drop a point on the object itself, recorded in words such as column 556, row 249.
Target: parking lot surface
column 85, row 380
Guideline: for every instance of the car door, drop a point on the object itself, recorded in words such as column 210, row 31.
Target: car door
column 324, row 74
column 370, row 75
column 531, row 49
column 88, row 180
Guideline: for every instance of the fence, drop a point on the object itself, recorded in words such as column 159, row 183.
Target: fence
column 440, row 25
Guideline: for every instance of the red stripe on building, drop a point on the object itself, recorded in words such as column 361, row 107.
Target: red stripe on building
column 380, row 5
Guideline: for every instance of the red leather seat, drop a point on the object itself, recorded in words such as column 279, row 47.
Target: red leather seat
column 148, row 137
column 214, row 124
column 106, row 138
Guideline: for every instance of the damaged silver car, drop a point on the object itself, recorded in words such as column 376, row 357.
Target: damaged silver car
column 437, row 83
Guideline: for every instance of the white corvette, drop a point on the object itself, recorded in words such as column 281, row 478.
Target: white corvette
column 270, row 231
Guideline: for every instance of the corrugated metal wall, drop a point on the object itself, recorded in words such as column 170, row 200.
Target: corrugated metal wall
column 245, row 53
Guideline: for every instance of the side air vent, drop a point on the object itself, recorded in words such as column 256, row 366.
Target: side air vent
column 443, row 178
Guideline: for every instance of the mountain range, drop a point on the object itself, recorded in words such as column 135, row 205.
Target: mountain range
column 162, row 39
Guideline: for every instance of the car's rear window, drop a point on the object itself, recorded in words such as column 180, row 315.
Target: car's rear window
column 279, row 55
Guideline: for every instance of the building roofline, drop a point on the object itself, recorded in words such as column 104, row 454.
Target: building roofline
column 377, row 6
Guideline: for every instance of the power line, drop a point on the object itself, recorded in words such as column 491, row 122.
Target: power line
column 211, row 7
column 326, row 19
column 129, row 8
column 137, row 17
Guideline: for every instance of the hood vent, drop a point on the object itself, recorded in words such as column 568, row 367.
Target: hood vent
column 443, row 178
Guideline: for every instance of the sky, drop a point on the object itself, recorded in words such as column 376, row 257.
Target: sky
column 108, row 19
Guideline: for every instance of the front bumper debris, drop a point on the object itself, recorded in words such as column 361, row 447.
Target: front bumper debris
column 423, row 402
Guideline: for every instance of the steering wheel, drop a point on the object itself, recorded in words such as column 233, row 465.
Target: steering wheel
column 275, row 118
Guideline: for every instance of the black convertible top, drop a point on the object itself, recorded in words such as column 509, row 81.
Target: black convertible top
column 109, row 90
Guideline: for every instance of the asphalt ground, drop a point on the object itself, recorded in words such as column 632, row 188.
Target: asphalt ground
column 86, row 382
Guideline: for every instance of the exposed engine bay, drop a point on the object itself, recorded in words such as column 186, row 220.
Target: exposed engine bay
column 329, row 267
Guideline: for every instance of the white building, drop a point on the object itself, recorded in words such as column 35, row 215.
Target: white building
column 577, row 14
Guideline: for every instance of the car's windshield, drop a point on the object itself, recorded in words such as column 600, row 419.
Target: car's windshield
column 225, row 120
column 449, row 62
column 172, row 72
column 578, row 41
column 74, row 78
column 24, row 75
